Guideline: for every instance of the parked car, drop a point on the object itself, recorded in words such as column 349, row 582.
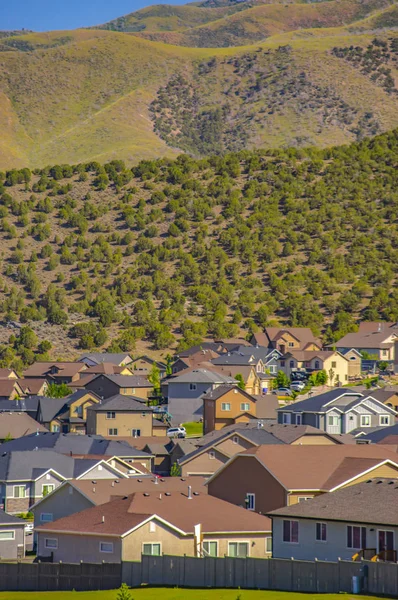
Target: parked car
column 297, row 386
column 28, row 528
column 283, row 392
column 179, row 432
column 298, row 376
column 161, row 409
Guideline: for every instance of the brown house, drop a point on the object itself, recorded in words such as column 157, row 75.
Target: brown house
column 224, row 405
column 10, row 389
column 67, row 415
column 14, row 425
column 143, row 366
column 55, row 372
column 106, row 369
column 120, row 416
column 284, row 339
column 269, row 477
column 106, row 386
column 172, row 523
column 34, row 387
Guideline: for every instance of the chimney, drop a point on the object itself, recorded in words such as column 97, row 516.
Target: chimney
column 103, row 519
column 189, row 492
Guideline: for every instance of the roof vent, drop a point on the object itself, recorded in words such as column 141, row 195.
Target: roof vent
column 196, row 493
column 162, row 479
column 116, row 481
column 146, row 494
column 189, row 492
column 167, row 494
column 94, row 482
column 103, row 518
column 139, row 480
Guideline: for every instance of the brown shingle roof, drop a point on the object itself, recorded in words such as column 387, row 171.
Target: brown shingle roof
column 41, row 369
column 303, row 468
column 17, row 425
column 31, row 386
column 104, row 368
column 121, row 515
column 7, row 386
column 271, row 334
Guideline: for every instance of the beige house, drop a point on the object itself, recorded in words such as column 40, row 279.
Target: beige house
column 334, row 363
column 378, row 339
column 286, row 339
column 106, row 386
column 226, row 405
column 120, row 416
column 173, row 523
column 354, row 363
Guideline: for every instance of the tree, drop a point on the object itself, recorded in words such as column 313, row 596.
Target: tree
column 331, row 377
column 124, row 593
column 175, row 470
column 58, row 390
column 241, row 381
column 281, row 380
column 154, row 378
column 321, row 378
column 169, row 368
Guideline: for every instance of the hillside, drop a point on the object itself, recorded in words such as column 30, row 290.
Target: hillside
column 171, row 252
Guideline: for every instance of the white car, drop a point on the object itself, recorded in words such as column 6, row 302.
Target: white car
column 297, row 386
column 28, row 528
column 177, row 432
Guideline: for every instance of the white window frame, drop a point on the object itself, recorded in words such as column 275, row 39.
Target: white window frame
column 286, row 418
column 290, row 344
column 47, row 485
column 152, row 544
column 192, row 387
column 43, row 520
column 113, row 429
column 18, row 487
column 152, row 527
column 211, row 542
column 46, row 540
column 106, row 551
column 298, row 531
column 386, row 417
column 112, row 414
column 268, row 542
column 136, row 433
column 251, row 497
column 12, row 537
column 224, row 404
column 304, row 498
column 247, row 542
column 361, row 527
column 244, row 406
column 235, row 439
column 366, row 417
column 212, row 455
column 335, row 420
column 385, row 531
column 321, row 523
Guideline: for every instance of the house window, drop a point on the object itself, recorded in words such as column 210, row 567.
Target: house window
column 282, row 363
column 385, row 540
column 79, row 411
column 356, row 537
column 238, row 549
column 55, row 428
column 304, row 498
column 291, row 532
column 106, row 547
column 235, row 439
column 47, row 489
column 384, row 419
column 152, row 527
column 111, row 415
column 210, row 548
column 320, row 532
column 272, row 369
column 245, row 406
column 268, row 545
column 291, row 344
column 112, row 431
column 365, row 420
column 317, row 364
column 384, row 352
column 250, row 501
column 334, row 364
column 46, row 517
column 225, row 406
column 333, row 421
column 51, row 543
column 7, row 535
column 151, row 549
column 299, row 419
column 19, row 491
column 192, row 386
column 212, row 454
column 136, row 432
column 291, row 364
column 286, row 418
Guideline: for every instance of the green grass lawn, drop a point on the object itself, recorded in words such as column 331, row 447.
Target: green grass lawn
column 176, row 594
column 193, row 428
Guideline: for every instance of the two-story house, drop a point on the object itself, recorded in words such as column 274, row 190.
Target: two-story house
column 120, row 359
column 334, row 363
column 285, row 339
column 185, row 393
column 106, row 386
column 55, row 372
column 227, row 405
column 144, row 364
column 378, row 339
column 120, row 416
column 338, row 411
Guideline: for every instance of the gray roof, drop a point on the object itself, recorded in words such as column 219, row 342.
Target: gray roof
column 127, row 381
column 338, row 396
column 29, row 404
column 49, row 407
column 65, row 443
column 100, row 357
column 235, row 358
column 202, row 376
column 378, row 434
column 123, row 403
column 22, row 466
column 373, row 502
column 215, row 346
column 6, row 519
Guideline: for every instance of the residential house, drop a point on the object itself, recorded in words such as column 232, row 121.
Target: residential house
column 185, row 401
column 379, row 435
column 17, row 424
column 106, row 386
column 143, row 365
column 12, row 537
column 286, row 339
column 354, row 358
column 10, row 389
column 55, row 372
column 387, row 395
column 25, row 476
column 173, row 523
column 194, row 360
column 240, row 359
column 79, row 445
column 34, row 387
column 269, row 477
column 359, row 521
column 106, row 368
column 120, row 416
column 338, row 411
column 159, row 427
column 251, row 379
column 8, row 374
column 310, row 361
column 69, row 414
column 76, row 495
column 28, row 405
column 120, row 359
column 160, row 449
column 378, row 339
column 266, row 407
column 225, row 405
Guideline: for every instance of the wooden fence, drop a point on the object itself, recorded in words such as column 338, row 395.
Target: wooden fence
column 378, row 579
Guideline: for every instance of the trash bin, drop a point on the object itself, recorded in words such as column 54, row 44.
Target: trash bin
column 356, row 584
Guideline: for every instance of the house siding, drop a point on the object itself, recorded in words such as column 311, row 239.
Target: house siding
column 246, row 475
column 75, row 548
column 203, row 464
column 9, row 548
column 124, row 422
column 62, row 503
column 186, row 404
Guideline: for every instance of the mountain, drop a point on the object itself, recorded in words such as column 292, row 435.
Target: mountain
column 175, row 251
column 99, row 94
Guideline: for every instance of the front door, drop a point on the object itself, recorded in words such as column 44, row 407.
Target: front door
column 385, row 540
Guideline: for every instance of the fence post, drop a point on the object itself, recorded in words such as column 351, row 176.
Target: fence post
column 292, row 586
column 338, row 570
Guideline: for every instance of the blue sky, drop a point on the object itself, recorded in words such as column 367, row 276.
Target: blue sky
column 45, row 15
